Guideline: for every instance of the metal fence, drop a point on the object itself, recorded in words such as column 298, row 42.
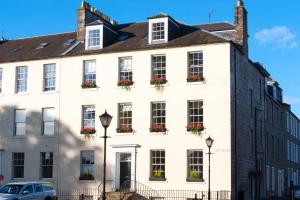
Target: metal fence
column 138, row 191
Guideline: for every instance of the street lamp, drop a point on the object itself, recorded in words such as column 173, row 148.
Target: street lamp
column 209, row 142
column 105, row 119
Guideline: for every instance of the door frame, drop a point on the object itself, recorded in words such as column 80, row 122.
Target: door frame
column 115, row 157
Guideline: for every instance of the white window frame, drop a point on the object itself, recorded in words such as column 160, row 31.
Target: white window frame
column 20, row 123
column 88, row 122
column 48, row 121
column 49, row 77
column 161, row 164
column 125, row 68
column 87, row 37
column 158, row 107
column 194, row 164
column 23, row 80
column 164, row 20
column 88, row 66
column 125, row 115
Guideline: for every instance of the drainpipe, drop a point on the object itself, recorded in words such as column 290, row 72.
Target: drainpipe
column 235, row 122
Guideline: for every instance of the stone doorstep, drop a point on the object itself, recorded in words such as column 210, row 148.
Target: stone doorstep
column 120, row 196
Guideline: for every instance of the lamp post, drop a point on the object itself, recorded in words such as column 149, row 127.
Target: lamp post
column 209, row 142
column 105, row 119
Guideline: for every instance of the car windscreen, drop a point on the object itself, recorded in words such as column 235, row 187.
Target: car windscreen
column 11, row 189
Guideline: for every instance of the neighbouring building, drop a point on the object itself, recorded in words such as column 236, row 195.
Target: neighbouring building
column 168, row 86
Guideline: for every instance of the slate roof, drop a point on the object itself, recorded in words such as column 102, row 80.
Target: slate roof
column 222, row 26
column 136, row 39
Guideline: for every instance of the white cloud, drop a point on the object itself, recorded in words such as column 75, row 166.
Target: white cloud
column 292, row 100
column 277, row 37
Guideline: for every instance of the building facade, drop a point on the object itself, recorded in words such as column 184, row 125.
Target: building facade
column 168, row 87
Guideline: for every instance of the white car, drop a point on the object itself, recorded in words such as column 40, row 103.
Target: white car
column 27, row 191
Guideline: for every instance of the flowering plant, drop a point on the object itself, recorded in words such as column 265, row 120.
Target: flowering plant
column 158, row 80
column 88, row 85
column 157, row 128
column 194, row 78
column 195, row 127
column 86, row 131
column 125, row 83
column 124, row 129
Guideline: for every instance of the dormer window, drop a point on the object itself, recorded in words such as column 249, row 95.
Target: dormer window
column 93, row 39
column 158, row 31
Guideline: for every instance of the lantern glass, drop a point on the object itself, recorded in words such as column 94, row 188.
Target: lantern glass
column 209, row 142
column 105, row 119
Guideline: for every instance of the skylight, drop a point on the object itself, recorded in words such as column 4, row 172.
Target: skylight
column 42, row 45
column 68, row 42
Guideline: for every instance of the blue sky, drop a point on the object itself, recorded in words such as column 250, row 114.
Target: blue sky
column 274, row 26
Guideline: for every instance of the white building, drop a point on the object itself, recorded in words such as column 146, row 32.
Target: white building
column 168, row 87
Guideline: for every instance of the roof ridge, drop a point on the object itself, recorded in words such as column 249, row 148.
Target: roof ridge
column 40, row 36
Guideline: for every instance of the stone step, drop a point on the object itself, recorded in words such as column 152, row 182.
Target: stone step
column 119, row 195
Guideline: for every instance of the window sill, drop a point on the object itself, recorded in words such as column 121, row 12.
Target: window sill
column 48, row 136
column 195, row 180
column 157, row 179
column 21, row 93
column 158, row 133
column 124, row 134
column 86, row 181
column 89, row 89
column 50, row 92
column 196, row 82
column 19, row 137
column 47, row 179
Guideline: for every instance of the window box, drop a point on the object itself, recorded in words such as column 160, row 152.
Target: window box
column 86, row 176
column 124, row 129
column 195, row 78
column 194, row 176
column 158, row 80
column 195, row 127
column 88, row 131
column 125, row 83
column 88, row 85
column 157, row 128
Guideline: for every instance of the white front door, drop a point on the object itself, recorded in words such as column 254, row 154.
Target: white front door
column 123, row 166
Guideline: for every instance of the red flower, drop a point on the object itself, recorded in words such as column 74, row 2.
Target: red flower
column 192, row 78
column 157, row 128
column 124, row 129
column 125, row 82
column 158, row 80
column 88, row 85
column 88, row 131
column 195, row 127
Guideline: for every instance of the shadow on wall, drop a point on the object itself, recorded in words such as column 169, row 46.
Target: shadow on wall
column 65, row 144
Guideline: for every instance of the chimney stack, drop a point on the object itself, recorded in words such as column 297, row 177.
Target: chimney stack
column 87, row 14
column 241, row 26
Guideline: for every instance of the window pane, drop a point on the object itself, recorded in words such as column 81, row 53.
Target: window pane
column 48, row 121
column 87, row 165
column 21, row 79
column 195, row 112
column 89, row 71
column 125, row 68
column 46, row 164
column 159, row 66
column 195, row 64
column 49, row 77
column 88, row 116
column 157, row 163
column 195, row 164
column 158, row 31
column 158, row 113
column 18, row 165
column 94, row 38
column 125, row 115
